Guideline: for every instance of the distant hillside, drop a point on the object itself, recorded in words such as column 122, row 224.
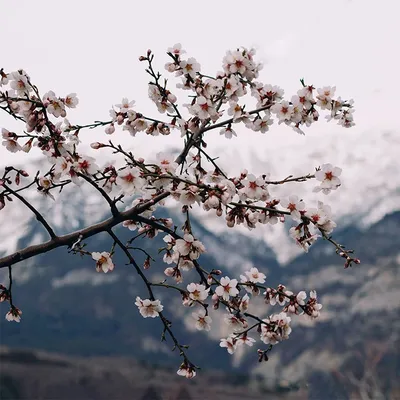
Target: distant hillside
column 35, row 375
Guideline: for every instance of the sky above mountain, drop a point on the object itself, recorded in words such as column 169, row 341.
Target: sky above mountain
column 94, row 52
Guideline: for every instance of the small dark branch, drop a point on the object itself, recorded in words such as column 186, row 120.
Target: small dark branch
column 230, row 120
column 157, row 225
column 111, row 203
column 142, row 250
column 180, row 290
column 245, row 331
column 189, row 144
column 291, row 179
column 166, row 323
column 90, row 126
column 10, row 286
column 245, row 205
column 210, row 159
column 132, row 261
column 39, row 216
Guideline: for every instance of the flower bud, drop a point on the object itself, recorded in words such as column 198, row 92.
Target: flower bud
column 96, row 145
column 111, row 129
column 172, row 98
column 27, row 146
column 169, row 271
column 146, row 264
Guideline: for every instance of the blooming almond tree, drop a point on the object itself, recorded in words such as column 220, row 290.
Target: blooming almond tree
column 191, row 178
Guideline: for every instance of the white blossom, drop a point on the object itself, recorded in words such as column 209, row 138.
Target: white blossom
column 197, row 292
column 203, row 321
column 227, row 288
column 149, row 308
column 294, row 205
column 328, row 175
column 229, row 343
column 14, row 314
column 130, row 181
column 103, row 261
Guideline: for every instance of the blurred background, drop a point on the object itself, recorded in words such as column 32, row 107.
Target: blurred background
column 81, row 335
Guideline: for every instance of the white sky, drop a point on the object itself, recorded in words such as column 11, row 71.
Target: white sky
column 92, row 48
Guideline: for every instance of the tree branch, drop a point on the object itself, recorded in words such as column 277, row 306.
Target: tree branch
column 69, row 239
column 39, row 216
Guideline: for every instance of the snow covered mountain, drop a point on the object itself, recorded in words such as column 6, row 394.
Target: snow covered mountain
column 76, row 309
column 370, row 179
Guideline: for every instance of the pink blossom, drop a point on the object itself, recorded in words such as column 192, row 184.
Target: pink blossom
column 197, row 292
column 203, row 321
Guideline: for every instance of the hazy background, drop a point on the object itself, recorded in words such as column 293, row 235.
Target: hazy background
column 92, row 48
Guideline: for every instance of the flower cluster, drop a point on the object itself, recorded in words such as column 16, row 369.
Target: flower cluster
column 275, row 328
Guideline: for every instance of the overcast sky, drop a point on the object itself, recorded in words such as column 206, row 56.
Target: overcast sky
column 92, row 48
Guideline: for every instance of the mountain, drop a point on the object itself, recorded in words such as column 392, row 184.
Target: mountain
column 68, row 307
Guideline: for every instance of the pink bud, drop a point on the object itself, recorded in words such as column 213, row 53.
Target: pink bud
column 230, row 223
column 110, row 129
column 217, row 272
column 146, row 264
column 96, row 145
column 14, row 106
column 169, row 271
column 172, row 98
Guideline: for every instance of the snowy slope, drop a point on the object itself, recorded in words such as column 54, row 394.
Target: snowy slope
column 370, row 178
column 370, row 181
